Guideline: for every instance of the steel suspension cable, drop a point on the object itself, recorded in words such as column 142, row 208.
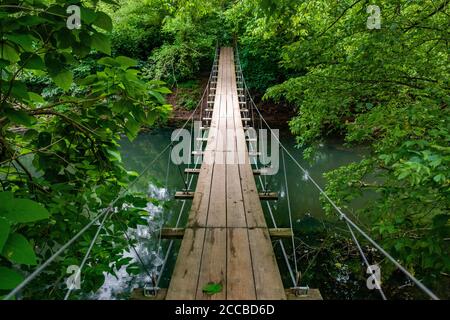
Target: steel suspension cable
column 366, row 262
column 86, row 256
column 272, row 217
column 342, row 214
column 166, row 258
column 107, row 210
column 280, row 242
column 290, row 214
column 162, row 213
column 345, row 217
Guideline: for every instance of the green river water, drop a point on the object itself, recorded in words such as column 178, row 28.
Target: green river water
column 156, row 183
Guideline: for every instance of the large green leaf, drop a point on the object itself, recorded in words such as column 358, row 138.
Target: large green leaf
column 19, row 90
column 114, row 155
column 23, row 40
column 132, row 128
column 4, row 231
column 101, row 43
column 212, row 288
column 159, row 97
column 9, row 279
column 32, row 61
column 103, row 21
column 5, row 196
column 18, row 250
column 35, row 98
column 126, row 62
column 22, row 210
column 88, row 15
column 63, row 79
column 20, row 117
column 8, row 52
column 121, row 106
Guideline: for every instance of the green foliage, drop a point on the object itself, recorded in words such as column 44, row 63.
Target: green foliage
column 64, row 106
column 14, row 247
column 188, row 94
column 191, row 31
column 212, row 288
column 173, row 39
column 9, row 279
column 259, row 53
column 387, row 88
column 137, row 27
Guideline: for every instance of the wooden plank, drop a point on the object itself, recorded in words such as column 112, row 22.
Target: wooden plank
column 240, row 283
column 191, row 171
column 217, row 210
column 172, row 233
column 256, row 172
column 279, row 233
column 268, row 196
column 213, row 267
column 178, row 233
column 231, row 241
column 184, row 195
column 187, row 268
column 199, row 207
column 253, row 209
column 138, row 294
column 313, row 294
column 235, row 200
column 268, row 281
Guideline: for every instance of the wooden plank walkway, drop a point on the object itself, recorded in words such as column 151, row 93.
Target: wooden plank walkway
column 226, row 239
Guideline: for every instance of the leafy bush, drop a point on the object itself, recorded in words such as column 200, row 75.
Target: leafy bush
column 137, row 27
column 59, row 160
column 388, row 88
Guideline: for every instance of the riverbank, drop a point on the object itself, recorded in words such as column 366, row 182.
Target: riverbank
column 274, row 115
column 191, row 91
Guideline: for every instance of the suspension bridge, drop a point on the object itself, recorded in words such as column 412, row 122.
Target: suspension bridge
column 226, row 242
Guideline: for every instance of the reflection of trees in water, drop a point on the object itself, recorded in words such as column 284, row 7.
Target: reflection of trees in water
column 147, row 247
column 138, row 154
column 303, row 195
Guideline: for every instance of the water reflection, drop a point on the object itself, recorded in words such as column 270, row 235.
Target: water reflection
column 162, row 185
column 148, row 250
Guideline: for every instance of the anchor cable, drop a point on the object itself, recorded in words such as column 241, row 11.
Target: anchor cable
column 342, row 214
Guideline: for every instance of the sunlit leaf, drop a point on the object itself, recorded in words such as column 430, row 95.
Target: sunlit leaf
column 17, row 249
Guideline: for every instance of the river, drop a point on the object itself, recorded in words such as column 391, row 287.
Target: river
column 157, row 184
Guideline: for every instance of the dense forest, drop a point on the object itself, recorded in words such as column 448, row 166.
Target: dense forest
column 69, row 94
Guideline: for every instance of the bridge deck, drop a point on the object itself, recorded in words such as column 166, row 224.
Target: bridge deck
column 226, row 239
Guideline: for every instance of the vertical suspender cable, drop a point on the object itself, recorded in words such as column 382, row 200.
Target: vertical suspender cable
column 290, row 215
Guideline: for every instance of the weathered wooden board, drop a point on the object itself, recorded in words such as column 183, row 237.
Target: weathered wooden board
column 213, row 267
column 185, row 275
column 240, row 282
column 268, row 283
column 226, row 240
